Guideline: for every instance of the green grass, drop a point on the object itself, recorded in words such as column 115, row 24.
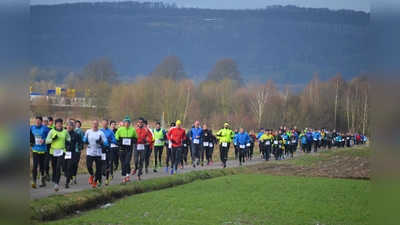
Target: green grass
column 242, row 199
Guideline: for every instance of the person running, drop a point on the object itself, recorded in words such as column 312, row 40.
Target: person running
column 143, row 137
column 259, row 144
column 317, row 139
column 78, row 151
column 169, row 148
column 71, row 153
column 185, row 150
column 213, row 141
column 293, row 139
column 126, row 137
column 206, row 139
column 159, row 140
column 106, row 167
column 267, row 140
column 309, row 138
column 242, row 139
column 225, row 136
column 176, row 135
column 114, row 159
column 235, row 145
column 58, row 139
column 196, row 143
column 303, row 140
column 252, row 143
column 149, row 147
column 277, row 145
column 329, row 138
column 95, row 139
column 285, row 138
column 47, row 157
column 39, row 133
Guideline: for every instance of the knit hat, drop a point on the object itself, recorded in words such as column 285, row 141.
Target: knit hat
column 226, row 124
column 58, row 120
column 178, row 122
column 127, row 119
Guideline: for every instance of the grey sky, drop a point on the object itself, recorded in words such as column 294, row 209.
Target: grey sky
column 358, row 5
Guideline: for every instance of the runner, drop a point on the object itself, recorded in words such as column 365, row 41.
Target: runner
column 309, row 138
column 196, row 143
column 58, row 138
column 78, row 151
column 267, row 140
column 206, row 139
column 126, row 137
column 277, row 145
column 169, row 146
column 235, row 144
column 149, row 147
column 114, row 159
column 47, row 157
column 176, row 136
column 213, row 142
column 159, row 140
column 39, row 149
column 73, row 148
column 143, row 137
column 106, row 167
column 242, row 140
column 252, row 143
column 225, row 136
column 95, row 141
column 259, row 142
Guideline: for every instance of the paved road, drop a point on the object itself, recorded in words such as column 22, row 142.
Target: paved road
column 82, row 179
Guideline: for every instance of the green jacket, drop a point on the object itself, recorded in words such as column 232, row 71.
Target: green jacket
column 225, row 135
column 59, row 143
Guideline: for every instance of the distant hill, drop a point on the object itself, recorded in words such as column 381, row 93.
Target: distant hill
column 285, row 43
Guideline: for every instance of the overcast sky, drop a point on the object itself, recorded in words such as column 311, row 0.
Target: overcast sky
column 359, row 5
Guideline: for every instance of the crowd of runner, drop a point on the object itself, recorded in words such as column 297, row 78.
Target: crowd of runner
column 60, row 145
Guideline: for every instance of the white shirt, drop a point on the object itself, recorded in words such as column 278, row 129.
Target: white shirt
column 94, row 149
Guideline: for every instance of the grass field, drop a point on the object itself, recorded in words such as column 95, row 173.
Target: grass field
column 242, row 199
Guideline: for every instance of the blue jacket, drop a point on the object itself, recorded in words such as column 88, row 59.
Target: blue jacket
column 242, row 138
column 194, row 133
column 317, row 135
column 40, row 132
column 309, row 136
column 304, row 139
column 259, row 135
column 109, row 135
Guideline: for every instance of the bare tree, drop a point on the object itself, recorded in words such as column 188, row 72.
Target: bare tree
column 170, row 68
column 336, row 85
column 258, row 103
column 225, row 68
column 100, row 70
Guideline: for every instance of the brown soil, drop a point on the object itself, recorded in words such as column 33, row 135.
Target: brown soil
column 350, row 167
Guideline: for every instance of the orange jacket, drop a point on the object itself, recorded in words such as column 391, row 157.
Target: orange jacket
column 177, row 135
column 144, row 135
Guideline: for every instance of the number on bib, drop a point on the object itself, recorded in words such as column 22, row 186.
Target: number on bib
column 103, row 156
column 126, row 141
column 68, row 155
column 196, row 141
column 58, row 152
column 224, row 144
column 205, row 144
column 242, row 146
column 140, row 147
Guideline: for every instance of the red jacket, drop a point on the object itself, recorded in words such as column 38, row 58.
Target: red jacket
column 144, row 135
column 177, row 135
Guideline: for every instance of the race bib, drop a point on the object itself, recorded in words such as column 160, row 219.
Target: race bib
column 294, row 141
column 103, row 156
column 126, row 141
column 315, row 139
column 58, row 152
column 184, row 145
column 205, row 144
column 170, row 145
column 268, row 143
column 196, row 141
column 158, row 141
column 140, row 147
column 224, row 144
column 242, row 146
column 68, row 155
column 348, row 138
column 248, row 144
column 37, row 140
column 210, row 145
column 113, row 145
column 276, row 142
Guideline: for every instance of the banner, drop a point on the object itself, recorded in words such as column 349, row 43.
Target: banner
column 70, row 93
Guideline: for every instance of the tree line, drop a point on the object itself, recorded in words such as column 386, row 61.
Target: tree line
column 222, row 96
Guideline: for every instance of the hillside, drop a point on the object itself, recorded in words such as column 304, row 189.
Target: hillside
column 287, row 44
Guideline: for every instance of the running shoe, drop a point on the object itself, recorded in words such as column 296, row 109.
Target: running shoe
column 166, row 169
column 159, row 166
column 74, row 179
column 224, row 165
column 107, row 181
column 98, row 183
column 47, row 177
column 128, row 179
column 94, row 184
column 197, row 162
column 111, row 176
column 91, row 179
column 194, row 165
column 146, row 171
column 56, row 187
column 71, row 183
column 42, row 182
column 124, row 180
column 154, row 170
column 202, row 164
column 138, row 177
column 134, row 171
column 172, row 171
column 33, row 184
column 240, row 164
column 180, row 166
column 66, row 185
